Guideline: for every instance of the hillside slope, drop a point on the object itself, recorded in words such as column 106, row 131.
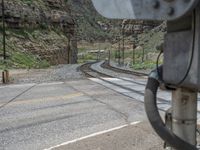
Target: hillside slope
column 39, row 32
column 92, row 26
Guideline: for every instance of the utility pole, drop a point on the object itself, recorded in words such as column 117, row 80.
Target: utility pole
column 4, row 33
column 98, row 53
column 123, row 43
column 133, row 52
column 133, row 46
column 69, row 50
column 5, row 73
column 119, row 52
column 109, row 56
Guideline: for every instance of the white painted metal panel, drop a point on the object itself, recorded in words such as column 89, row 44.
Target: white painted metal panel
column 144, row 9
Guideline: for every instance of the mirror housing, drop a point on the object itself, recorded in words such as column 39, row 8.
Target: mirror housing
column 144, row 9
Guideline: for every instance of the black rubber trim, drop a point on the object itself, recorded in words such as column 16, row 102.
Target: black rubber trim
column 156, row 120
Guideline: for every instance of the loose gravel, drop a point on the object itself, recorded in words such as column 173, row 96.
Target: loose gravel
column 55, row 73
column 61, row 73
column 126, row 67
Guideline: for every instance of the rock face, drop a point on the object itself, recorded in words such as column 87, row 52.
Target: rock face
column 45, row 15
column 134, row 27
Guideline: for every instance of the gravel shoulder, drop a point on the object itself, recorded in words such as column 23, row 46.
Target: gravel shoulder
column 59, row 73
column 125, row 67
column 54, row 73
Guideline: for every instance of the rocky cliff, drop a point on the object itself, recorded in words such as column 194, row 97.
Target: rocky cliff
column 93, row 27
column 44, row 28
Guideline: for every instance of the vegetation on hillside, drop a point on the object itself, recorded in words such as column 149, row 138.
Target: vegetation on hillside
column 28, row 42
column 16, row 56
column 143, row 56
column 90, row 25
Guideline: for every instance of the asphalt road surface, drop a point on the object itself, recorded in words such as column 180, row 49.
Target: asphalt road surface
column 72, row 115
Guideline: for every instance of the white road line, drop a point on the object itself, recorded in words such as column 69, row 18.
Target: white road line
column 93, row 135
column 51, row 83
column 30, row 84
column 17, row 85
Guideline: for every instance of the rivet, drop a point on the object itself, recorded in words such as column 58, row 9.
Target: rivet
column 156, row 4
column 170, row 11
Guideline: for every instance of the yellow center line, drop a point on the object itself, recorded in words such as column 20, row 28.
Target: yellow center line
column 45, row 99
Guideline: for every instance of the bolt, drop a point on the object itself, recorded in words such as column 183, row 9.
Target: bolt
column 170, row 11
column 156, row 4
